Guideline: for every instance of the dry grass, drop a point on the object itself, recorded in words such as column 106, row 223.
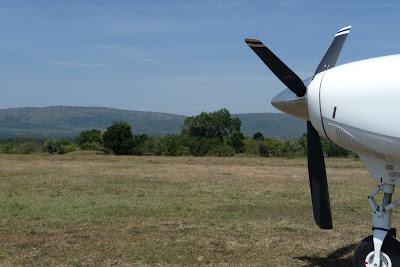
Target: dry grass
column 83, row 209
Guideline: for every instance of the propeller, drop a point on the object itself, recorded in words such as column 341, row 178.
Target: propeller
column 286, row 75
column 318, row 181
column 316, row 163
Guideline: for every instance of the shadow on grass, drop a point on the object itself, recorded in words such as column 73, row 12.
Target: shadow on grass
column 339, row 257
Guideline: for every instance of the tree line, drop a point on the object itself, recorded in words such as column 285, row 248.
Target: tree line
column 215, row 133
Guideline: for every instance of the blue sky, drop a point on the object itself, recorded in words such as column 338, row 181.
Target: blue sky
column 180, row 57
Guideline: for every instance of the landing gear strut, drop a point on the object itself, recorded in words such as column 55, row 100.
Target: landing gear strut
column 381, row 249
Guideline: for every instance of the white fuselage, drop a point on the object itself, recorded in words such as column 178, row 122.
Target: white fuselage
column 357, row 106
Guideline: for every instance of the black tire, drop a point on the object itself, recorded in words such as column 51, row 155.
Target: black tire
column 390, row 246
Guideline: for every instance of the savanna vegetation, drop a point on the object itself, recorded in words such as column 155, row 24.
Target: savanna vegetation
column 215, row 134
column 87, row 209
column 78, row 203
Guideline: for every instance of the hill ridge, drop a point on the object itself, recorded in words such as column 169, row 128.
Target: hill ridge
column 70, row 121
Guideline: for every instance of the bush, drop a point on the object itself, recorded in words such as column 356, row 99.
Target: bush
column 90, row 146
column 251, row 146
column 28, row 148
column 150, row 147
column 20, row 145
column 70, row 148
column 173, row 145
column 200, row 146
column 222, row 150
column 138, row 142
column 54, row 146
column 7, row 148
column 333, row 150
column 90, row 140
column 291, row 147
column 271, row 147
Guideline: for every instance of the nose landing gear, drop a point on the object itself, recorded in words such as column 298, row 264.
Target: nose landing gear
column 382, row 249
column 389, row 256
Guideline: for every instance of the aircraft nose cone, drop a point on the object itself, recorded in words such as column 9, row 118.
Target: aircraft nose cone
column 286, row 101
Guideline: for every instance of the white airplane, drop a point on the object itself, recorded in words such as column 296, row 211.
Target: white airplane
column 356, row 106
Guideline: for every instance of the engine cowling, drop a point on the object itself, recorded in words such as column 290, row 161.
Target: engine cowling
column 357, row 106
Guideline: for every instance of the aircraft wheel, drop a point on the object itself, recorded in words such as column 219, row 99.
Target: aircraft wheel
column 390, row 253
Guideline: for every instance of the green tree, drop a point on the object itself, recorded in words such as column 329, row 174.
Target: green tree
column 210, row 125
column 89, row 140
column 174, row 145
column 200, row 146
column 236, row 142
column 119, row 138
column 271, row 147
column 291, row 147
column 152, row 147
column 333, row 150
column 303, row 144
column 330, row 149
column 258, row 136
column 138, row 142
column 251, row 146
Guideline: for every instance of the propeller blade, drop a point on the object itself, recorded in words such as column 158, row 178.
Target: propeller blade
column 332, row 54
column 316, row 164
column 318, row 181
column 286, row 75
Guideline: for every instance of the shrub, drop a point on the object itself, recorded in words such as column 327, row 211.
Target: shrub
column 333, row 150
column 28, row 148
column 54, row 146
column 222, row 150
column 90, row 146
column 291, row 147
column 138, row 142
column 7, row 148
column 173, row 145
column 200, row 146
column 152, row 146
column 20, row 145
column 271, row 147
column 70, row 148
column 251, row 146
column 90, row 140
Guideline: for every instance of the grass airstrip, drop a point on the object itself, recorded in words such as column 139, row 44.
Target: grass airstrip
column 87, row 209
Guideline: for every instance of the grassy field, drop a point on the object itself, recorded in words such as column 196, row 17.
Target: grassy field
column 83, row 209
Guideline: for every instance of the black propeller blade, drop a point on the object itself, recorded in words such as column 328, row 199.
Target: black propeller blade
column 286, row 75
column 316, row 163
column 318, row 181
column 332, row 54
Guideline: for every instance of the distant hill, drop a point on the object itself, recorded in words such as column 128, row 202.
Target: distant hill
column 69, row 122
column 272, row 125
